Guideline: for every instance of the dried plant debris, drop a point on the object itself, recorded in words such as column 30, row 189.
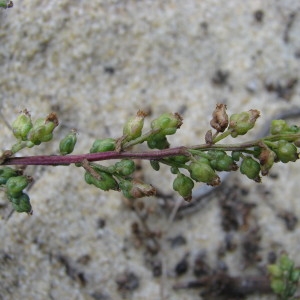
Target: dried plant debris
column 235, row 212
column 289, row 218
column 127, row 281
column 283, row 90
column 223, row 286
column 72, row 270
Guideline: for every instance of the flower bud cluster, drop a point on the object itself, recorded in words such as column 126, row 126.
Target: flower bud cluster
column 165, row 124
column 281, row 127
column 117, row 177
column 284, row 277
column 34, row 133
column 195, row 164
column 14, row 183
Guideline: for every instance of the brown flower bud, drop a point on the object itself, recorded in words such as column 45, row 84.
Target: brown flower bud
column 266, row 159
column 220, row 118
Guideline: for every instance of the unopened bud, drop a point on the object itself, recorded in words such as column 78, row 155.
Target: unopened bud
column 286, row 264
column 278, row 126
column 105, row 183
column 183, row 185
column 158, row 141
column 15, row 185
column 103, row 145
column 155, row 165
column 21, row 203
column 278, row 286
column 67, row 144
column 22, row 125
column 42, row 130
column 241, row 123
column 6, row 173
column 220, row 118
column 275, row 270
column 125, row 167
column 201, row 171
column 167, row 123
column 220, row 161
column 285, row 151
column 134, row 126
column 250, row 168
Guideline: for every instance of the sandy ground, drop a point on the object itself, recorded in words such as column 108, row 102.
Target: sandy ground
column 96, row 63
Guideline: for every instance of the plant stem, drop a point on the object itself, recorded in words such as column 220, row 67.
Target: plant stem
column 56, row 160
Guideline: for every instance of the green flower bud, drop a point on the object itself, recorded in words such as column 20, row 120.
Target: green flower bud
column 184, row 186
column 174, row 170
column 42, row 130
column 167, row 123
column 155, row 165
column 278, row 126
column 224, row 164
column 125, row 167
column 236, row 155
column 103, row 145
column 67, row 144
column 220, row 161
column 286, row 264
column 37, row 134
column 134, row 126
column 180, row 159
column 107, row 182
column 6, row 173
column 22, row 125
column 275, row 271
column 278, row 286
column 241, row 123
column 21, row 203
column 286, row 151
column 294, row 129
column 295, row 275
column 158, row 141
column 202, row 171
column 15, row 185
column 136, row 189
column 250, row 168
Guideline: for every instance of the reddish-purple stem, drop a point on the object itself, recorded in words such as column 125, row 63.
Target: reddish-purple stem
column 56, row 160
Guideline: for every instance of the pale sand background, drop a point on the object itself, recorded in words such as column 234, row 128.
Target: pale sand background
column 96, row 63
